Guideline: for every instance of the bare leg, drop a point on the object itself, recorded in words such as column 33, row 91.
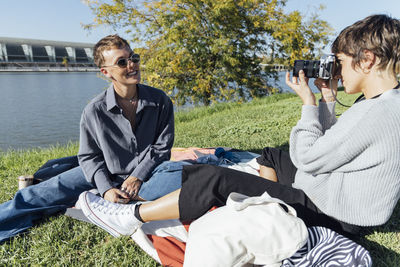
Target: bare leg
column 167, row 207
column 268, row 173
column 163, row 208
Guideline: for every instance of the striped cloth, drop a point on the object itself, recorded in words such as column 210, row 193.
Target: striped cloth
column 327, row 248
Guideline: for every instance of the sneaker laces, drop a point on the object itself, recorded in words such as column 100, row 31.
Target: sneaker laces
column 110, row 208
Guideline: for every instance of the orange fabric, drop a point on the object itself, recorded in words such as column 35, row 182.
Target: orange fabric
column 170, row 251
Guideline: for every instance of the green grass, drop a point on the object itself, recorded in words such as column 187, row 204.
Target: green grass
column 62, row 241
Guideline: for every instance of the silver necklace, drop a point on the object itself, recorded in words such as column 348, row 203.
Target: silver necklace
column 131, row 100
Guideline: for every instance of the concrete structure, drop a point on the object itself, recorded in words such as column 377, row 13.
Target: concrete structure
column 18, row 54
column 276, row 67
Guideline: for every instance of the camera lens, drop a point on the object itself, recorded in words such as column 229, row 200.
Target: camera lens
column 310, row 68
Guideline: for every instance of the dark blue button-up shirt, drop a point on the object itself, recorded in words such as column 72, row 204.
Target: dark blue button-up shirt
column 110, row 151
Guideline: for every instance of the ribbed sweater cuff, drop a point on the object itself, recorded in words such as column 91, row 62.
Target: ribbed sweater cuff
column 309, row 112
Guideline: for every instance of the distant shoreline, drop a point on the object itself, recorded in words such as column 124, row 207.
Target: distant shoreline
column 50, row 70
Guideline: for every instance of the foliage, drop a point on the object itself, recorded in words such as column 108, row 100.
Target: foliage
column 62, row 241
column 204, row 51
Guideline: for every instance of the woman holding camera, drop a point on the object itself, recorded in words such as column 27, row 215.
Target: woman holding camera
column 341, row 173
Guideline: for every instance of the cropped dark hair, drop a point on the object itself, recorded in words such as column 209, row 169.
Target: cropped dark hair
column 107, row 43
column 379, row 34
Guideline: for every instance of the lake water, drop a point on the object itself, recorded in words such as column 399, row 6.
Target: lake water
column 43, row 109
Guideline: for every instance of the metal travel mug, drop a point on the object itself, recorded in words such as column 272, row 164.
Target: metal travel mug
column 24, row 181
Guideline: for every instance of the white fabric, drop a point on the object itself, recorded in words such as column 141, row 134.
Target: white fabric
column 253, row 230
column 244, row 161
column 250, row 166
column 166, row 228
column 141, row 239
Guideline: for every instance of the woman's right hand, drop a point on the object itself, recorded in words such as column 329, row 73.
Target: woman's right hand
column 300, row 86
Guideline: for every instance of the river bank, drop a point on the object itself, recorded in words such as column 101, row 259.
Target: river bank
column 40, row 109
column 62, row 241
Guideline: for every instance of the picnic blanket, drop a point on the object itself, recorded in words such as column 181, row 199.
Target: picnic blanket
column 222, row 156
column 165, row 241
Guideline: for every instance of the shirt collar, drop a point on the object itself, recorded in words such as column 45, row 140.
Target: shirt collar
column 145, row 98
column 111, row 101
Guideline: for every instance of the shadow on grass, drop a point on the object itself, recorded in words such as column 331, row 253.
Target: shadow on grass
column 381, row 255
column 389, row 233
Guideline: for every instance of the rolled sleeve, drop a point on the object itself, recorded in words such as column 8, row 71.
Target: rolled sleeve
column 103, row 183
column 144, row 169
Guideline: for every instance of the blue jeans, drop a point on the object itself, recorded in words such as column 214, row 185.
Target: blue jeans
column 166, row 177
column 62, row 191
column 34, row 202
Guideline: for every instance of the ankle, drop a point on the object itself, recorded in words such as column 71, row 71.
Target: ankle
column 137, row 213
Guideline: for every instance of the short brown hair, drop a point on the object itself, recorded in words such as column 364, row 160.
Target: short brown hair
column 106, row 43
column 379, row 34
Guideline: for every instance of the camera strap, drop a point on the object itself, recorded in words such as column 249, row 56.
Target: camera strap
column 362, row 97
column 334, row 95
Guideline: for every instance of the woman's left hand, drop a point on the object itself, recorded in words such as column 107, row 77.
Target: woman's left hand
column 300, row 86
column 327, row 94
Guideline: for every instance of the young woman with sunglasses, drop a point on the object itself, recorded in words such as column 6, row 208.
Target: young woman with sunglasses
column 341, row 173
column 126, row 136
column 127, row 131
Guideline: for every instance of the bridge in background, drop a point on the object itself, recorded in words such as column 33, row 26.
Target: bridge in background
column 275, row 67
column 43, row 55
column 18, row 54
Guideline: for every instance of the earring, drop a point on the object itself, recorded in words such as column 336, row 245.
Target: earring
column 366, row 70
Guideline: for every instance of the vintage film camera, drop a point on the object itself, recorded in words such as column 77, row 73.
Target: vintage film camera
column 326, row 68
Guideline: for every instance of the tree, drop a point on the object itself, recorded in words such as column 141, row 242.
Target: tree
column 207, row 50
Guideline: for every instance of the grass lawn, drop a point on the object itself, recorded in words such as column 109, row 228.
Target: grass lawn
column 62, row 241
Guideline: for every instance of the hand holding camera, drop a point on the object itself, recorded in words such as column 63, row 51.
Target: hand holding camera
column 328, row 89
column 300, row 86
column 325, row 72
column 326, row 68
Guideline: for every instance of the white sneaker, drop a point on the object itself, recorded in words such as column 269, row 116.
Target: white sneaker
column 117, row 219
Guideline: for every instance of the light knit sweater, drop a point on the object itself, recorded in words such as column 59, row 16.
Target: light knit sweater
column 350, row 167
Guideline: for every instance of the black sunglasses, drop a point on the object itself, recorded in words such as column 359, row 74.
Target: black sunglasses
column 123, row 62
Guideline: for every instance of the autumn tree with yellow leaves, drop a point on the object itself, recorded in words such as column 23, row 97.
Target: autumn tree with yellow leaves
column 210, row 50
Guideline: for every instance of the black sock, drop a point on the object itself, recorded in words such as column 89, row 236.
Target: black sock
column 137, row 214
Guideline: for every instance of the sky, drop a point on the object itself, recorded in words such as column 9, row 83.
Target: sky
column 61, row 20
